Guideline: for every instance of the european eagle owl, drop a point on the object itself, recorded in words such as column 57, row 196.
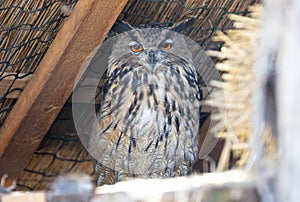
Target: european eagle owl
column 150, row 110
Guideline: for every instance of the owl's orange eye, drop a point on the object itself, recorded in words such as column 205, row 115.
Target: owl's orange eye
column 166, row 45
column 136, row 47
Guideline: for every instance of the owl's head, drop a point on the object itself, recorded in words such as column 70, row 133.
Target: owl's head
column 151, row 47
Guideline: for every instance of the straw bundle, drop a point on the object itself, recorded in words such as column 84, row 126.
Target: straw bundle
column 236, row 92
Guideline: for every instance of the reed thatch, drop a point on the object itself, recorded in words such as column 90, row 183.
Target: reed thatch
column 27, row 29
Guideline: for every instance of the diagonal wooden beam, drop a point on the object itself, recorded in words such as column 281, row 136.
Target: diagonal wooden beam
column 52, row 83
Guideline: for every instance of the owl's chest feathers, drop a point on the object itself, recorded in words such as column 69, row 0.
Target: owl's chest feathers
column 132, row 79
column 150, row 121
column 148, row 105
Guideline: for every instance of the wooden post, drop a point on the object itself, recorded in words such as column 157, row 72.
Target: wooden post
column 52, row 83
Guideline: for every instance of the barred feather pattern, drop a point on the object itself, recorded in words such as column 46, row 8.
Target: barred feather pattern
column 149, row 119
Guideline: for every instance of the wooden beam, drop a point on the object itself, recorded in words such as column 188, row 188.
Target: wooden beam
column 9, row 82
column 233, row 185
column 52, row 83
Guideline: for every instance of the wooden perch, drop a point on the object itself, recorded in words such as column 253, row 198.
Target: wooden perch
column 52, row 83
column 229, row 186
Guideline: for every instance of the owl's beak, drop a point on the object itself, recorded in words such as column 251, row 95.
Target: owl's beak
column 152, row 58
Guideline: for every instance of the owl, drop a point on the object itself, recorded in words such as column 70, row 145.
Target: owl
column 150, row 112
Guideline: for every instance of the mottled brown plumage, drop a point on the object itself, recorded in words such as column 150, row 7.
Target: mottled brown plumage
column 150, row 112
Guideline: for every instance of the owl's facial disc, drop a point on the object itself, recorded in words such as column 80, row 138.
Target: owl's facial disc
column 151, row 53
column 155, row 53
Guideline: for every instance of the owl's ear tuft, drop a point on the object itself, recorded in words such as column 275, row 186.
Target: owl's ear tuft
column 121, row 26
column 183, row 25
